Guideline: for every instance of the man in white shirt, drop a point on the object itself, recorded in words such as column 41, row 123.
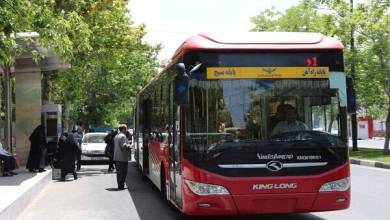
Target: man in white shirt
column 290, row 123
column 122, row 154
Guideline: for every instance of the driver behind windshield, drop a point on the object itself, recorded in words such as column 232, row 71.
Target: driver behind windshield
column 290, row 124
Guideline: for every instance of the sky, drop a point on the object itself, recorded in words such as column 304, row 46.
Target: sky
column 170, row 22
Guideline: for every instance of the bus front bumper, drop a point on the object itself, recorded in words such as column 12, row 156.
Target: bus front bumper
column 221, row 205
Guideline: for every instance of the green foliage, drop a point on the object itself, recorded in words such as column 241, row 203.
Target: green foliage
column 104, row 79
column 370, row 22
column 334, row 18
column 110, row 62
column 373, row 26
column 65, row 33
column 301, row 18
column 370, row 154
column 12, row 18
column 267, row 20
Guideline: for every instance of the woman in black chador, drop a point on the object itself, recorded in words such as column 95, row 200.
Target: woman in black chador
column 67, row 151
column 36, row 158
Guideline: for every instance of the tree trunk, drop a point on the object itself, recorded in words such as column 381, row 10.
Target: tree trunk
column 66, row 116
column 384, row 72
column 386, row 150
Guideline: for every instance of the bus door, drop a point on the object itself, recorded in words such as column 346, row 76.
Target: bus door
column 147, row 114
column 174, row 160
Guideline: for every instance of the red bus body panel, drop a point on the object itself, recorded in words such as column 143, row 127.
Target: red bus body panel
column 244, row 200
column 157, row 156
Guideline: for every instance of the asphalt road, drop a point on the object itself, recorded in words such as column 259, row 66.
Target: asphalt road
column 91, row 197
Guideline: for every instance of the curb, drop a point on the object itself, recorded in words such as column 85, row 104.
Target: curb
column 16, row 207
column 370, row 163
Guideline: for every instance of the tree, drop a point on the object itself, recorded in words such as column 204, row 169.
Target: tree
column 304, row 17
column 110, row 62
column 334, row 18
column 104, row 79
column 373, row 26
column 371, row 23
column 58, row 31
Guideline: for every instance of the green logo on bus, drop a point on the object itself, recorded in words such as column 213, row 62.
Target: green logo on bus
column 269, row 70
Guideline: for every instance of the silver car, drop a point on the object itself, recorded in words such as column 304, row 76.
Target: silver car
column 93, row 146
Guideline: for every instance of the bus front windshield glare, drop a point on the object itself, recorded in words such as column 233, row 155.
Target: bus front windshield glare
column 242, row 110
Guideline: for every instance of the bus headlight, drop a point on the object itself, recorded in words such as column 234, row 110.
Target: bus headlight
column 204, row 189
column 336, row 186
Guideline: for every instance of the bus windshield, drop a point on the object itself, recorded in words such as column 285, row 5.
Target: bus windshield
column 251, row 109
column 227, row 118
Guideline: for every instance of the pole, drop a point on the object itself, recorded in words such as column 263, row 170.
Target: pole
column 353, row 115
column 8, row 109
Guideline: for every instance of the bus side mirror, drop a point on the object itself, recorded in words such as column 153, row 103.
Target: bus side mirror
column 181, row 85
column 351, row 95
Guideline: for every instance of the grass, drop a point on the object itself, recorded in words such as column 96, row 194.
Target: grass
column 370, row 154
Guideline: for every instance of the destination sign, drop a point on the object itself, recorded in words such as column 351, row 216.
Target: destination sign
column 267, row 72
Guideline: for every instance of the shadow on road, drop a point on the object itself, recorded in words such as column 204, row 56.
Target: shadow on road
column 86, row 171
column 151, row 206
column 115, row 189
column 91, row 171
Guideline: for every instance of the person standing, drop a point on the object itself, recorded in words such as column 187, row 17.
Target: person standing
column 67, row 151
column 130, row 141
column 109, row 151
column 78, row 135
column 36, row 160
column 122, row 154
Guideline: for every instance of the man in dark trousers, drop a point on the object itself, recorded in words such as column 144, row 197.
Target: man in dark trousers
column 67, row 153
column 36, row 157
column 109, row 151
column 122, row 154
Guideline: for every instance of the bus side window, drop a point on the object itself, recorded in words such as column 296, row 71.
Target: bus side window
column 325, row 118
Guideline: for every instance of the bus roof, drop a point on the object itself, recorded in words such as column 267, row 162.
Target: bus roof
column 254, row 41
column 259, row 41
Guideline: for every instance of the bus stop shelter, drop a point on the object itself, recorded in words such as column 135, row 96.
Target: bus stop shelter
column 24, row 114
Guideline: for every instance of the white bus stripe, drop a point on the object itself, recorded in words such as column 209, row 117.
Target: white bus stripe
column 285, row 165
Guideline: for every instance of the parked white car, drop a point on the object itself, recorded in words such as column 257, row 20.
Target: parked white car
column 93, row 146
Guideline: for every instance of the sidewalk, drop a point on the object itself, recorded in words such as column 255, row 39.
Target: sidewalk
column 374, row 143
column 18, row 191
column 370, row 163
column 93, row 196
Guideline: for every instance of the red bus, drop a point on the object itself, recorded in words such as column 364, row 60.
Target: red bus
column 248, row 124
